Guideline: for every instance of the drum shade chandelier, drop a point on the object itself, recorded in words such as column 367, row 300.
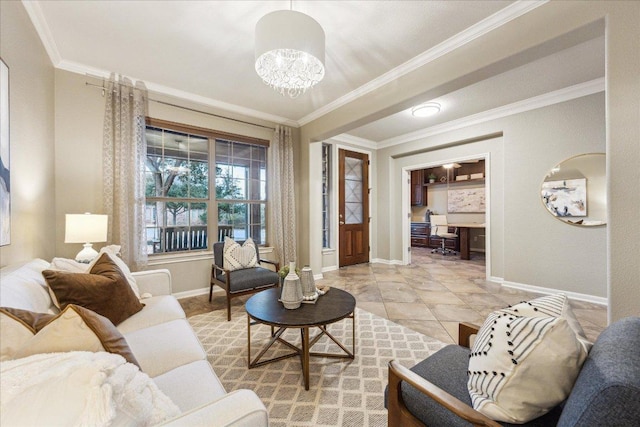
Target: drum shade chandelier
column 289, row 49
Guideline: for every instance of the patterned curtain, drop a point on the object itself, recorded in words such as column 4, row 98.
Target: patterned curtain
column 124, row 151
column 282, row 202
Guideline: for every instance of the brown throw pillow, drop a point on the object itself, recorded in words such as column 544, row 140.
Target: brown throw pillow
column 74, row 329
column 104, row 290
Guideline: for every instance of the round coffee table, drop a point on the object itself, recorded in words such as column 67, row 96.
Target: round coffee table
column 332, row 307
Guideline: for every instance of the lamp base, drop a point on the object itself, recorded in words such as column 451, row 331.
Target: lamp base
column 87, row 254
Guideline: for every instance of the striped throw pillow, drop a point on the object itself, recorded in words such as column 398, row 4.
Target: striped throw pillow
column 237, row 257
column 524, row 361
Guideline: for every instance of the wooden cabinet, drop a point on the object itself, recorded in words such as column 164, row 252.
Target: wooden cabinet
column 421, row 237
column 419, row 234
column 418, row 190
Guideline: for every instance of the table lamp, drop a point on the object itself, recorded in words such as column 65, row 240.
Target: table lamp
column 86, row 228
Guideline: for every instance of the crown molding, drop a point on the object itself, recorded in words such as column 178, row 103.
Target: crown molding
column 545, row 100
column 78, row 68
column 42, row 28
column 345, row 138
column 477, row 30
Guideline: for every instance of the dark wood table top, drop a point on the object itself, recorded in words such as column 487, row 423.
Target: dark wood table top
column 330, row 307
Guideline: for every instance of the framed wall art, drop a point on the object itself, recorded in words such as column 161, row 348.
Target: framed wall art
column 5, row 175
column 566, row 197
column 467, row 200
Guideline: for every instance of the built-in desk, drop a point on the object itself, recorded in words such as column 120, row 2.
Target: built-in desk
column 465, row 236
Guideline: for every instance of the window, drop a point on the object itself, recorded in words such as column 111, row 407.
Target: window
column 241, row 188
column 181, row 212
column 177, row 190
column 326, row 200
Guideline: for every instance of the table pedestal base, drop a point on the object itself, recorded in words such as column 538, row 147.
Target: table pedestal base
column 306, row 344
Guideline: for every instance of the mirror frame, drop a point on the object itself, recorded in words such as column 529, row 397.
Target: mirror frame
column 601, row 184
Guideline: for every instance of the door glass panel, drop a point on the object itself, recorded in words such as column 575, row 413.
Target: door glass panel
column 353, row 191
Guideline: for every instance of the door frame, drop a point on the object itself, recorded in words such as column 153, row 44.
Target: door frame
column 406, row 204
column 336, row 197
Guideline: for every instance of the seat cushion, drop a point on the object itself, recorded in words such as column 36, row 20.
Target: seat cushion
column 191, row 385
column 156, row 310
column 250, row 278
column 447, row 369
column 607, row 391
column 161, row 348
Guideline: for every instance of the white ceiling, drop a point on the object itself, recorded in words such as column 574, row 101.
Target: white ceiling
column 203, row 51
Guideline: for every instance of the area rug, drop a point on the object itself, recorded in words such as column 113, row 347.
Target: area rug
column 342, row 392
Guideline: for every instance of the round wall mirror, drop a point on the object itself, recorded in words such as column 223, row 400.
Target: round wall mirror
column 574, row 191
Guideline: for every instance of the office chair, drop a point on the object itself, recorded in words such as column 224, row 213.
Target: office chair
column 440, row 229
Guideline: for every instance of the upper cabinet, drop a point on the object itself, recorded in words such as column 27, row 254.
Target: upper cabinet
column 418, row 191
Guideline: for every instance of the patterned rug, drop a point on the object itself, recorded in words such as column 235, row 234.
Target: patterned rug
column 342, row 392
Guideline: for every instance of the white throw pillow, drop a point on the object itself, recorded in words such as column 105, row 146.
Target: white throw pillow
column 552, row 306
column 13, row 335
column 523, row 366
column 237, row 257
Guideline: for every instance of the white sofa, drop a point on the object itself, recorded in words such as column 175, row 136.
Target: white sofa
column 163, row 343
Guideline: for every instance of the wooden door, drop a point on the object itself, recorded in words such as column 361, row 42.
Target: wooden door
column 353, row 219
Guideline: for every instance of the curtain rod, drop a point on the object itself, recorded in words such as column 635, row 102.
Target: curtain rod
column 192, row 109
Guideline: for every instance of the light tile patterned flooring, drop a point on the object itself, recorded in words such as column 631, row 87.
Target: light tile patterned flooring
column 430, row 296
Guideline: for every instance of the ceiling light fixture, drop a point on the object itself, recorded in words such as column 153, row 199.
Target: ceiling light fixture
column 425, row 110
column 289, row 51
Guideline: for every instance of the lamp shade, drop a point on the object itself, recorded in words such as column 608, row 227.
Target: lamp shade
column 289, row 51
column 85, row 228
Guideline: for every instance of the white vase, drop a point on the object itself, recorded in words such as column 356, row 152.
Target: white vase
column 291, row 289
column 308, row 284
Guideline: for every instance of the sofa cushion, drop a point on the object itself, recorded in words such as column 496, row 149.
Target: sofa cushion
column 104, row 290
column 24, row 287
column 607, row 391
column 73, row 329
column 191, row 385
column 522, row 367
column 163, row 347
column 250, row 278
column 238, row 256
column 156, row 310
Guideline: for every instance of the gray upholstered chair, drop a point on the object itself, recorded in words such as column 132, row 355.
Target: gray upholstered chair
column 606, row 393
column 240, row 282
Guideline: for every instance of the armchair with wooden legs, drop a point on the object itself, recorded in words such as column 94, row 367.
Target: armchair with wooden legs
column 241, row 282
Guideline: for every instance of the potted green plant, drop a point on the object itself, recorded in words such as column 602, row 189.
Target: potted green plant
column 432, row 178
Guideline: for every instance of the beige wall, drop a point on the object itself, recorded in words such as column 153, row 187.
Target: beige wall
column 31, row 94
column 527, row 245
column 463, row 66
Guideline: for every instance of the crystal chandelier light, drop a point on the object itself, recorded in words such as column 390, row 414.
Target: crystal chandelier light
column 289, row 51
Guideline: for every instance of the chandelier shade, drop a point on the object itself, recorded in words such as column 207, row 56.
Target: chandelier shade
column 289, row 51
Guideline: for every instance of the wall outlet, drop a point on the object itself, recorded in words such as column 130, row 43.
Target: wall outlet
column 475, row 238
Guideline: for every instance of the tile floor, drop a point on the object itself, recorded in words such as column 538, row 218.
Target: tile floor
column 430, row 296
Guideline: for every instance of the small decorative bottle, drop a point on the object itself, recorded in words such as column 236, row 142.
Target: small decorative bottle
column 291, row 289
column 308, row 284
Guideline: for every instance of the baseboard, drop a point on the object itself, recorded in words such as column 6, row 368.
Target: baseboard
column 195, row 292
column 551, row 291
column 386, row 261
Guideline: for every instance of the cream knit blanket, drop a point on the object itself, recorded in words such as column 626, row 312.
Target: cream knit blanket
column 79, row 389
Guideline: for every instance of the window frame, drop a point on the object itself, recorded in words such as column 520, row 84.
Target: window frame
column 211, row 201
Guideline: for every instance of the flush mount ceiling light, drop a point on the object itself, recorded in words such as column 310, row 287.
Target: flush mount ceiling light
column 425, row 110
column 289, row 51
